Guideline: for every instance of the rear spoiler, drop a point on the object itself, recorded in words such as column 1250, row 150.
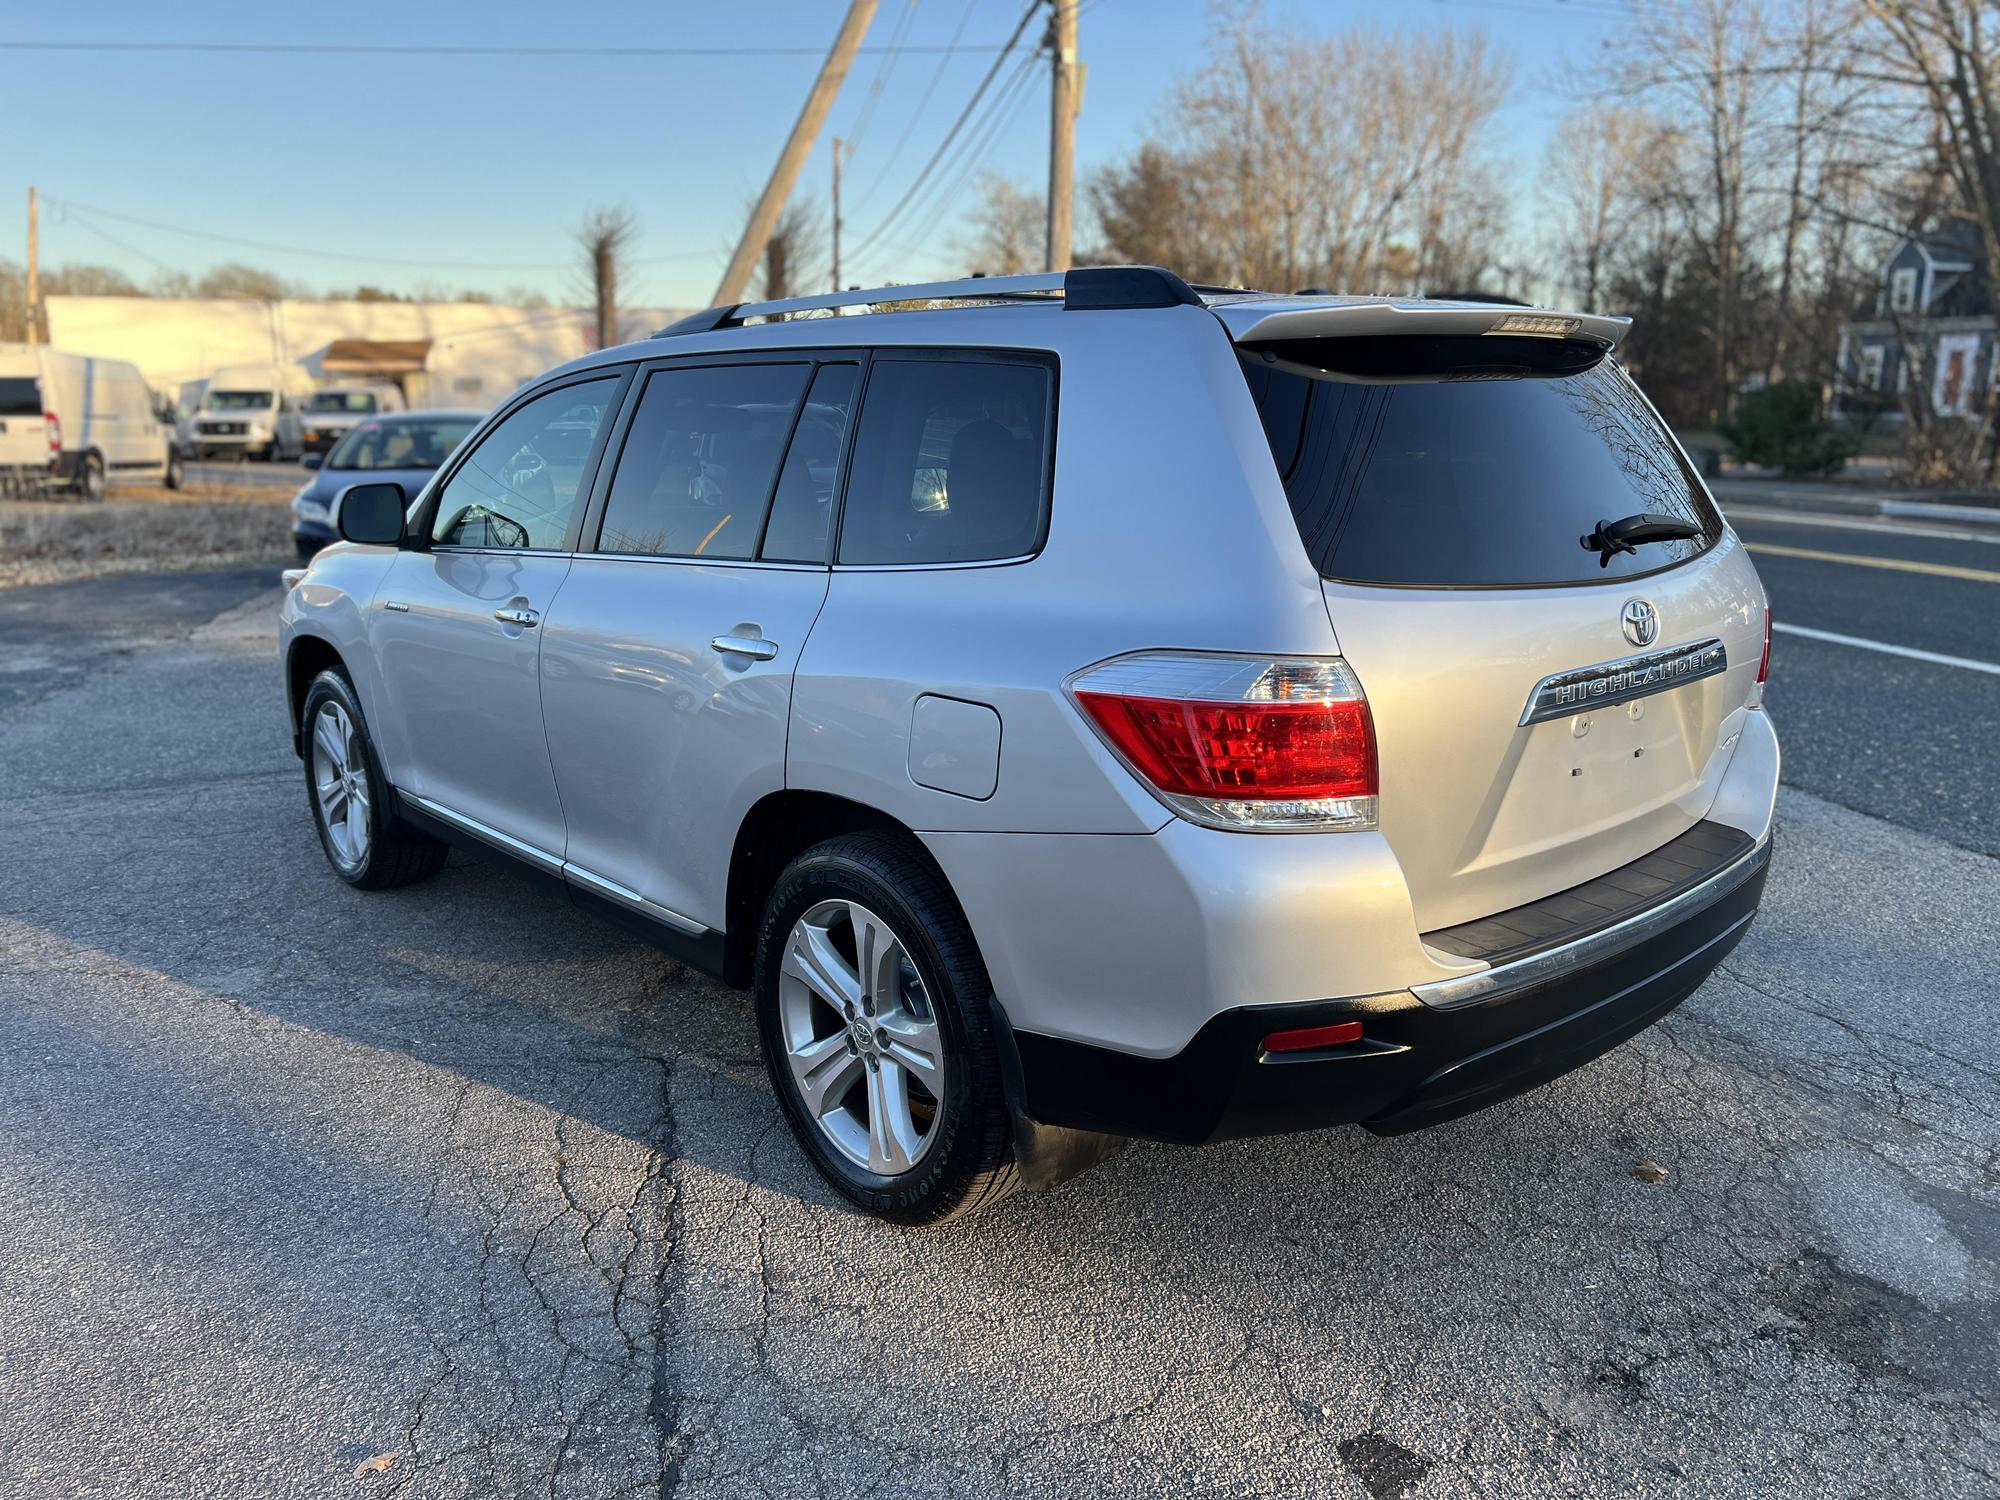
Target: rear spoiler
column 1264, row 320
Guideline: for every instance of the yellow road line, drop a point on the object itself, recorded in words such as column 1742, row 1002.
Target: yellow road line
column 1896, row 564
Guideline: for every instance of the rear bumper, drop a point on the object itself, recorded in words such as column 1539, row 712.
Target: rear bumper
column 1417, row 1064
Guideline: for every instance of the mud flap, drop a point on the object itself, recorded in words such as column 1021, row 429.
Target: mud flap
column 1046, row 1155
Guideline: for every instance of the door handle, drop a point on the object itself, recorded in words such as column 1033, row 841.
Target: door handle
column 752, row 646
column 517, row 617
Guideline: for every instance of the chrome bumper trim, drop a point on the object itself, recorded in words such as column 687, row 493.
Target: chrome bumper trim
column 1483, row 984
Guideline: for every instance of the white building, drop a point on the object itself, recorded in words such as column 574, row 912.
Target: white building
column 441, row 353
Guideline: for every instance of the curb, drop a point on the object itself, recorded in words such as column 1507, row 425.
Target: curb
column 1876, row 505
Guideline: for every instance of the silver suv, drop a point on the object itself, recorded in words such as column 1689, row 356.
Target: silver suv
column 1078, row 707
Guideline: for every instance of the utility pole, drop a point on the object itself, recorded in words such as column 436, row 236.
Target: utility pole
column 836, row 215
column 1065, row 99
column 34, row 275
column 786, row 173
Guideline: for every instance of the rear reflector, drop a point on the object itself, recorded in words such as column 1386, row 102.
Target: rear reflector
column 1312, row 1038
column 1764, row 662
column 1239, row 742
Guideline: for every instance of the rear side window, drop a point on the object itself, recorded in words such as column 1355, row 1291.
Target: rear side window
column 950, row 463
column 802, row 511
column 1468, row 462
column 695, row 475
column 20, row 396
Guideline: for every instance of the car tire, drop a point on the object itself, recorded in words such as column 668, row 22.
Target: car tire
column 907, row 1142
column 377, row 850
column 90, row 477
column 175, row 474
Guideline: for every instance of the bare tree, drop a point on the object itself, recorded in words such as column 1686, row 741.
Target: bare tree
column 603, row 237
column 1010, row 225
column 794, row 253
column 1604, row 170
column 1298, row 156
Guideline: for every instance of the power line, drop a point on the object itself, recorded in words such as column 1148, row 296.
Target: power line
column 896, row 151
column 357, row 49
column 83, row 212
column 980, row 140
column 952, row 134
column 882, row 71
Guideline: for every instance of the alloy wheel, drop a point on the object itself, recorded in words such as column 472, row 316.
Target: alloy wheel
column 861, row 1037
column 340, row 782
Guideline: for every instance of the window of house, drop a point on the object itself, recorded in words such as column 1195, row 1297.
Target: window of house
column 1871, row 367
column 1903, row 289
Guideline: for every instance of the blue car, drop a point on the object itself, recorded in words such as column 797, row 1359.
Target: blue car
column 401, row 448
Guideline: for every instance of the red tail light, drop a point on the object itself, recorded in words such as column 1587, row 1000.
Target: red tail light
column 1764, row 662
column 52, row 424
column 1241, row 742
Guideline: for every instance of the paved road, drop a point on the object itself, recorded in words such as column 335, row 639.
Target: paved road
column 298, row 1178
column 1899, row 736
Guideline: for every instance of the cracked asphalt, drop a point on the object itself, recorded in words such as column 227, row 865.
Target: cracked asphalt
column 466, row 1191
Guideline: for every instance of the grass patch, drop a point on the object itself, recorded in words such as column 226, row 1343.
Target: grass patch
column 142, row 529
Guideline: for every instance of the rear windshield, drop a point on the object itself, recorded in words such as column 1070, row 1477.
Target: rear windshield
column 20, row 396
column 1468, row 462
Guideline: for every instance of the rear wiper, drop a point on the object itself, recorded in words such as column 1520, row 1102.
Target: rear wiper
column 1627, row 533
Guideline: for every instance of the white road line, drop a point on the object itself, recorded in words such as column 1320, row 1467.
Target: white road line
column 1850, row 523
column 1883, row 646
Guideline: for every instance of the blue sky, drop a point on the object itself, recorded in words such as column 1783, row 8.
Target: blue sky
column 476, row 169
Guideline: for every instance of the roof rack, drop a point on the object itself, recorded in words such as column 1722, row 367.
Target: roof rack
column 1088, row 288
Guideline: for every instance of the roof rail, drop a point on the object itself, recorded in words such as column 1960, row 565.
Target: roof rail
column 1088, row 288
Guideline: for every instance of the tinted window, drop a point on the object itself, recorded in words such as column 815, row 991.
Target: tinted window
column 949, row 463
column 400, row 445
column 20, row 396
column 518, row 488
column 238, row 401
column 1468, row 461
column 803, row 510
column 699, row 461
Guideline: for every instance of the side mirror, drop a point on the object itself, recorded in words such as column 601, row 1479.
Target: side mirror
column 311, row 460
column 371, row 513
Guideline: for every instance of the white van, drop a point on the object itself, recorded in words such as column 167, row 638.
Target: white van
column 332, row 411
column 76, row 421
column 251, row 411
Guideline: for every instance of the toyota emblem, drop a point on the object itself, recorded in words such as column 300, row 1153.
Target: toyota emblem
column 1641, row 622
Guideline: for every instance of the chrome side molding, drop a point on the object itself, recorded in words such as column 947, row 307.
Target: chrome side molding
column 541, row 859
column 1562, row 694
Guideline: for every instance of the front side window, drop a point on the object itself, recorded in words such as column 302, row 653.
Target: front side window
column 518, row 488
column 950, row 463
column 694, row 477
column 1468, row 462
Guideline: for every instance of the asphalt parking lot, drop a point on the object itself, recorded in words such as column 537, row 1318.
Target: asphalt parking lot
column 456, row 1191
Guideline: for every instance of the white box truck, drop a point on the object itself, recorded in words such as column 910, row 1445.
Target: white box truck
column 73, row 421
column 251, row 411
